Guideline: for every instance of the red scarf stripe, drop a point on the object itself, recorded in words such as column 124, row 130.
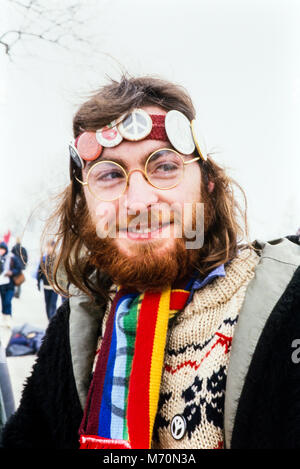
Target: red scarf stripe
column 138, row 402
column 178, row 299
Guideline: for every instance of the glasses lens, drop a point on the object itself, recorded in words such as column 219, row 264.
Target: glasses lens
column 107, row 180
column 164, row 169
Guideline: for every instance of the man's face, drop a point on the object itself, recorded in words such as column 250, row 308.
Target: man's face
column 2, row 251
column 142, row 199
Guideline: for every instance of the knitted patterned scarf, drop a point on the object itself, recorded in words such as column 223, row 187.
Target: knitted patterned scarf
column 123, row 396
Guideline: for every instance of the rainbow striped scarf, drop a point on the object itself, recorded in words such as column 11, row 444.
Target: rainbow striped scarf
column 123, row 396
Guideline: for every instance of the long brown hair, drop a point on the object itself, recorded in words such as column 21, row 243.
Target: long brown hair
column 225, row 220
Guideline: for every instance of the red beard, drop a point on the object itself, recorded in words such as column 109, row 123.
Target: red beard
column 146, row 270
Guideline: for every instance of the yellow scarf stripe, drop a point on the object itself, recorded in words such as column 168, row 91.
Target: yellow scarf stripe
column 157, row 358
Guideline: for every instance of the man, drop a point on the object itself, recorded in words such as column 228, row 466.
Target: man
column 20, row 251
column 10, row 266
column 175, row 335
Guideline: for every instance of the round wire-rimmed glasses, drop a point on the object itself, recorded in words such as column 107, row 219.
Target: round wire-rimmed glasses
column 164, row 169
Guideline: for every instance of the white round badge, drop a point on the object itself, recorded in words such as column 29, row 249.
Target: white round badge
column 179, row 132
column 75, row 156
column 199, row 139
column 109, row 136
column 136, row 126
column 178, row 427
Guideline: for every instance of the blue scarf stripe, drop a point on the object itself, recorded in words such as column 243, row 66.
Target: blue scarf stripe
column 118, row 390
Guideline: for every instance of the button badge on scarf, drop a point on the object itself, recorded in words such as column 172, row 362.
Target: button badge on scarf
column 179, row 132
column 178, row 427
column 136, row 126
column 88, row 147
column 109, row 136
column 75, row 156
column 199, row 139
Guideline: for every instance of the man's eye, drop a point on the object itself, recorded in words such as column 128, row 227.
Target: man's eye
column 166, row 167
column 110, row 176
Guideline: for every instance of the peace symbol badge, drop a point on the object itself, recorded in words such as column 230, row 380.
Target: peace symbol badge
column 136, row 126
column 178, row 427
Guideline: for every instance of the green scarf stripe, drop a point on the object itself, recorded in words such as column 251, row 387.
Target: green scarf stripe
column 130, row 325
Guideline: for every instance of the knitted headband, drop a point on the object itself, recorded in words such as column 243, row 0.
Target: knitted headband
column 174, row 127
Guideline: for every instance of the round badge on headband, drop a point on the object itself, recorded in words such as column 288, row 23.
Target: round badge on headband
column 88, row 146
column 199, row 139
column 136, row 126
column 179, row 132
column 109, row 136
column 75, row 156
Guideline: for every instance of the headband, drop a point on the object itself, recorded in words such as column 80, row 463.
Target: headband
column 174, row 127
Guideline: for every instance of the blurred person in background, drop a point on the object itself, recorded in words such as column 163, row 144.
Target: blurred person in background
column 44, row 275
column 10, row 266
column 20, row 251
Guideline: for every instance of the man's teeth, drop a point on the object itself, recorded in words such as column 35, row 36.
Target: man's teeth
column 143, row 230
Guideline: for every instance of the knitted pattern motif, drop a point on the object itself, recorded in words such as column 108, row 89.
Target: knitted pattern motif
column 196, row 359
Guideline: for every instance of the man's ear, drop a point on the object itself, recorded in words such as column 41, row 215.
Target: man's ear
column 211, row 186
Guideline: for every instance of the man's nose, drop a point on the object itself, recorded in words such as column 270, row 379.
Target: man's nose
column 140, row 194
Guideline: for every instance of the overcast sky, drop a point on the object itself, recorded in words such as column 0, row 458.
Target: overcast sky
column 240, row 61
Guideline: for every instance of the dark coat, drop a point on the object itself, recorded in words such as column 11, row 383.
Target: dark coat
column 268, row 414
column 21, row 253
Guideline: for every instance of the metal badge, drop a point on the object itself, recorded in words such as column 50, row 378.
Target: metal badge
column 136, row 126
column 178, row 427
column 179, row 132
column 75, row 156
column 109, row 136
column 199, row 139
column 88, row 147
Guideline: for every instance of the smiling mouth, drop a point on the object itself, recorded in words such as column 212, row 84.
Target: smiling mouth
column 144, row 232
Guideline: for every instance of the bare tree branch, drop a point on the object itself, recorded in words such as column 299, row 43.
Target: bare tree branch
column 59, row 26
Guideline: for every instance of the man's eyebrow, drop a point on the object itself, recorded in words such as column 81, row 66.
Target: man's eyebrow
column 115, row 159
